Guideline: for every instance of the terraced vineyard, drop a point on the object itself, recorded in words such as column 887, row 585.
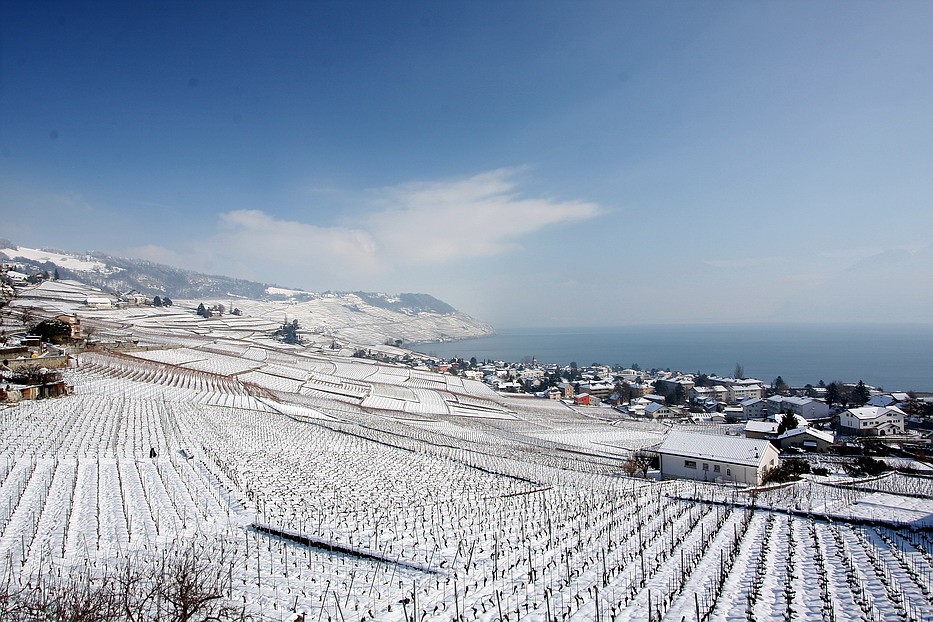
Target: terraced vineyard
column 324, row 506
column 316, row 484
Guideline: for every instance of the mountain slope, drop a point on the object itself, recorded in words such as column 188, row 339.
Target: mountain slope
column 366, row 317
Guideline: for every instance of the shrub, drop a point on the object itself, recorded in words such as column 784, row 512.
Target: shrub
column 788, row 470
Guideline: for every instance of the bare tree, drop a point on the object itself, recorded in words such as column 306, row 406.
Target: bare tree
column 182, row 586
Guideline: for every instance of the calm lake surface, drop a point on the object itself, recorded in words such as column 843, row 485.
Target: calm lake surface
column 892, row 357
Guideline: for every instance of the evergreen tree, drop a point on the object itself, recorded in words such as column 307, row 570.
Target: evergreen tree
column 157, row 301
column 166, row 301
column 861, row 394
column 832, row 393
column 55, row 331
column 788, row 422
column 288, row 333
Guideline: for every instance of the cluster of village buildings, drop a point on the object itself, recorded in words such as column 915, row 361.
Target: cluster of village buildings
column 27, row 364
column 638, row 394
column 645, row 394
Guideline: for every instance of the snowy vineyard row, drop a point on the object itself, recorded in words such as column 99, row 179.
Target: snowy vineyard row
column 427, row 530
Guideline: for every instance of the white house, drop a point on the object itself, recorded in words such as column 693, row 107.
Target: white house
column 872, row 421
column 807, row 407
column 754, row 408
column 657, row 410
column 709, row 457
column 740, row 388
column 717, row 392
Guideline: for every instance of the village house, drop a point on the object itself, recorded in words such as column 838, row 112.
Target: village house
column 585, row 399
column 641, row 389
column 733, row 414
column 872, row 421
column 805, row 438
column 667, row 386
column 636, row 407
column 740, row 388
column 888, row 399
column 760, row 429
column 806, row 407
column 74, row 325
column 135, row 298
column 660, row 410
column 754, row 408
column 602, row 390
column 708, row 457
column 630, row 375
column 717, row 392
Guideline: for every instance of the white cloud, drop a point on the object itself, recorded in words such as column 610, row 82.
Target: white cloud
column 476, row 217
column 254, row 245
column 257, row 235
column 416, row 224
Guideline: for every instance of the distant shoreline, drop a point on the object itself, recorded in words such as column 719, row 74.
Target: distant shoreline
column 890, row 356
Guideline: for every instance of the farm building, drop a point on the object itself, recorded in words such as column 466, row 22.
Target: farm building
column 708, row 457
column 98, row 302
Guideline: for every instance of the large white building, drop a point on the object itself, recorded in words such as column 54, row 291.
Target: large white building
column 872, row 421
column 709, row 457
column 98, row 302
column 740, row 388
column 807, row 407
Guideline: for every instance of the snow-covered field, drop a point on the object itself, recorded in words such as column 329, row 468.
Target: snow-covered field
column 354, row 491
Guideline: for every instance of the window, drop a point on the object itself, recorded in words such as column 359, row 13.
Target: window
column 705, row 466
column 716, row 468
column 690, row 464
column 728, row 471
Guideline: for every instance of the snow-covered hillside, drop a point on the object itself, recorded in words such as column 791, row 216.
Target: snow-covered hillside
column 363, row 317
column 321, row 486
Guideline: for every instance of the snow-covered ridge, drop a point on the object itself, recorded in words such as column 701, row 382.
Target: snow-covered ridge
column 345, row 317
column 83, row 263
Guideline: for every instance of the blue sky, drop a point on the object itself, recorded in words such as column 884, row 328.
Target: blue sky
column 532, row 163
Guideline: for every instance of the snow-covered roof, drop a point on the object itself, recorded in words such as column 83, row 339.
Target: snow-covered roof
column 793, row 399
column 887, row 399
column 766, row 427
column 819, row 434
column 866, row 413
column 733, row 449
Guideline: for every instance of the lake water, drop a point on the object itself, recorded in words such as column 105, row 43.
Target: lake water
column 892, row 357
